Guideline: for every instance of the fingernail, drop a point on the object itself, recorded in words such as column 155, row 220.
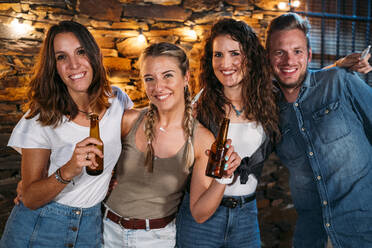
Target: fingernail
column 227, row 145
column 226, row 158
column 226, row 165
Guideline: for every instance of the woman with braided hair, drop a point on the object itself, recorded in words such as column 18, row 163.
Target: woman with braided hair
column 160, row 144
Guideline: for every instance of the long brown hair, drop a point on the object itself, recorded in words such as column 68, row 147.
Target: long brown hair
column 48, row 95
column 257, row 89
column 171, row 50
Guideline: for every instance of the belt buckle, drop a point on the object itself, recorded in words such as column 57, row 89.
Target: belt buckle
column 147, row 224
column 231, row 202
column 121, row 217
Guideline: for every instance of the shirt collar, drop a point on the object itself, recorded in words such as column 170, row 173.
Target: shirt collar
column 307, row 83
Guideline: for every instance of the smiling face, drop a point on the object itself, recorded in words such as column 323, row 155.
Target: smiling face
column 289, row 57
column 164, row 82
column 227, row 61
column 73, row 65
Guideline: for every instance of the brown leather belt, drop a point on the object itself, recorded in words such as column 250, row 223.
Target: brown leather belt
column 139, row 223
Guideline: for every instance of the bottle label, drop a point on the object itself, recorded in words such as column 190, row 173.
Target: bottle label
column 215, row 167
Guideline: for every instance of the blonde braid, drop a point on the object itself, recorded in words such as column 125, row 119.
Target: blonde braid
column 171, row 50
column 149, row 133
column 188, row 129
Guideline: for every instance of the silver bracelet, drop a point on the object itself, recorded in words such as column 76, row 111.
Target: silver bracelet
column 60, row 178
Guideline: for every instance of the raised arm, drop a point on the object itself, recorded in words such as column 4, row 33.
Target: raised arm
column 39, row 189
column 205, row 192
column 354, row 62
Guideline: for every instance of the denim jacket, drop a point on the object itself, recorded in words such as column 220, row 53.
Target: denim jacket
column 327, row 146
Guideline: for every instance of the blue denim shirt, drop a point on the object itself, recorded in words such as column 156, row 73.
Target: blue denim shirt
column 327, row 146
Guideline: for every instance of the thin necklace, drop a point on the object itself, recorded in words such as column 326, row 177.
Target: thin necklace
column 87, row 114
column 237, row 112
column 162, row 129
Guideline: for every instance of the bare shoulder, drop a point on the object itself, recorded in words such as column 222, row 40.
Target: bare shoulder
column 129, row 118
column 203, row 138
column 203, row 131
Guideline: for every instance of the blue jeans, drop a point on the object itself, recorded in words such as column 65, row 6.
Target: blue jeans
column 115, row 236
column 228, row 227
column 53, row 225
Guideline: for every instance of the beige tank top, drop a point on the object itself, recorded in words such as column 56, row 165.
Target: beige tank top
column 143, row 195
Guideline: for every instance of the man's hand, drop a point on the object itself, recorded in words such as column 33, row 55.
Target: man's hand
column 18, row 198
column 354, row 62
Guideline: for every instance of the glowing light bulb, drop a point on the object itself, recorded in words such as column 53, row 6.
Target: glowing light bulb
column 18, row 28
column 141, row 38
column 191, row 34
column 15, row 22
column 282, row 5
column 296, row 4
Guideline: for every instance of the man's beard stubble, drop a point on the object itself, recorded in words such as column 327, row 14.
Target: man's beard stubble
column 294, row 85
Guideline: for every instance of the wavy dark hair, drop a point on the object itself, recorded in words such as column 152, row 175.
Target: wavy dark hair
column 257, row 88
column 48, row 95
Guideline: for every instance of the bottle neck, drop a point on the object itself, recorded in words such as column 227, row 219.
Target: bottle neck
column 222, row 133
column 94, row 126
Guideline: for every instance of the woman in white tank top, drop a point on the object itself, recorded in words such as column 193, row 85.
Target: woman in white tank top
column 236, row 80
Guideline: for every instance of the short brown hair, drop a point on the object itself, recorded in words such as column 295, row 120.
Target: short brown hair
column 288, row 21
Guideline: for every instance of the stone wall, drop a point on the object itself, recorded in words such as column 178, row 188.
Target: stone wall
column 116, row 25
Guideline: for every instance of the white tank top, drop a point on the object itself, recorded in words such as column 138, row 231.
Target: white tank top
column 246, row 139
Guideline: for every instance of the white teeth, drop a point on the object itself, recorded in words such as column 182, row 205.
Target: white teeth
column 227, row 72
column 289, row 70
column 162, row 97
column 77, row 76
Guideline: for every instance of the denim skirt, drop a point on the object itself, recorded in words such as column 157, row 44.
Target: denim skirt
column 53, row 225
column 227, row 227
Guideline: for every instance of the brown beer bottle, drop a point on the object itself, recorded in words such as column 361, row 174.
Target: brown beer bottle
column 94, row 133
column 216, row 161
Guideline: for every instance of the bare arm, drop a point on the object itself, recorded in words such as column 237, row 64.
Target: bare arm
column 39, row 189
column 127, row 121
column 129, row 118
column 205, row 192
column 354, row 62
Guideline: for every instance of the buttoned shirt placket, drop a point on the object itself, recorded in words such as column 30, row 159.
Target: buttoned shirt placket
column 303, row 128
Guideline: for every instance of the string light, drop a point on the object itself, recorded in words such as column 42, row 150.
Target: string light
column 191, row 33
column 282, row 5
column 20, row 28
column 141, row 38
column 290, row 5
column 296, row 4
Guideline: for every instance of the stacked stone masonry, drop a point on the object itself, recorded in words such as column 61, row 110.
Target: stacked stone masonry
column 116, row 25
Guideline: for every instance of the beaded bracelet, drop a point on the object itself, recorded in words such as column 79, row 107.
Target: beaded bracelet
column 60, row 178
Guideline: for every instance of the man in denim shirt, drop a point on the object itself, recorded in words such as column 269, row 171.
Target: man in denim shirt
column 326, row 126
